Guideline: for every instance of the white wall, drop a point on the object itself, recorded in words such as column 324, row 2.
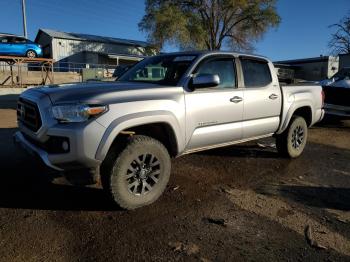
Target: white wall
column 333, row 66
column 63, row 48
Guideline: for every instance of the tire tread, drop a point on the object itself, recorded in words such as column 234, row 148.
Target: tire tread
column 115, row 169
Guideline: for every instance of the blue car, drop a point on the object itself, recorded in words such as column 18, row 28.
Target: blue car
column 11, row 45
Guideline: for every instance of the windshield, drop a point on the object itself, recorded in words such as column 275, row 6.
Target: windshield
column 343, row 74
column 165, row 69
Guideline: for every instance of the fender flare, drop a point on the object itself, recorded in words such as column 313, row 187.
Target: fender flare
column 294, row 107
column 137, row 119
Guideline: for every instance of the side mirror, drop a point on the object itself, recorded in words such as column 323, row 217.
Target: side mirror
column 205, row 81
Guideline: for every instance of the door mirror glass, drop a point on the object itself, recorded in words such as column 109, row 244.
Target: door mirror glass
column 206, row 80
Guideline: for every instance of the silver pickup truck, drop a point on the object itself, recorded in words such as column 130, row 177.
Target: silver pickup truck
column 165, row 106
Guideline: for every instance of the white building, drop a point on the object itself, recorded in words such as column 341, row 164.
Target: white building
column 83, row 50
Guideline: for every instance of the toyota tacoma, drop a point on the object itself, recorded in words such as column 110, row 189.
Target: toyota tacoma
column 126, row 132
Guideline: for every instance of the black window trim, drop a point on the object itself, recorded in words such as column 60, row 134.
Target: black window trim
column 258, row 59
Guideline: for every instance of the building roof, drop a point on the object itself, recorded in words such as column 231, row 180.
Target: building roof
column 7, row 34
column 90, row 38
column 305, row 60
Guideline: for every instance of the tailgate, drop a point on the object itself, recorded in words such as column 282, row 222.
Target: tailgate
column 337, row 95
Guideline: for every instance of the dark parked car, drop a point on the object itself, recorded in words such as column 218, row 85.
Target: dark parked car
column 337, row 92
column 11, row 45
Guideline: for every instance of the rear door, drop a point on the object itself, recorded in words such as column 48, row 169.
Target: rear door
column 214, row 114
column 19, row 46
column 262, row 98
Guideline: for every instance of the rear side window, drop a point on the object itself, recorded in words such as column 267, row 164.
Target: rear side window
column 20, row 40
column 4, row 40
column 11, row 40
column 256, row 73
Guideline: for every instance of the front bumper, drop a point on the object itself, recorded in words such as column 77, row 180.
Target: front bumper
column 21, row 141
column 83, row 144
column 83, row 138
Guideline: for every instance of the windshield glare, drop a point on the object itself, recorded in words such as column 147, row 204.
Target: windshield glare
column 165, row 69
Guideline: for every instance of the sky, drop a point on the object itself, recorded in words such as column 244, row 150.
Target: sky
column 304, row 30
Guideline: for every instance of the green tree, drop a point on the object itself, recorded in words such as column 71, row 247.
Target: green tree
column 340, row 39
column 208, row 24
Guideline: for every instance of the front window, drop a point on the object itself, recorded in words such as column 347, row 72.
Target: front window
column 165, row 70
column 223, row 67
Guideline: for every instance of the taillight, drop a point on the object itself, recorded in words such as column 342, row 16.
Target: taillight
column 323, row 97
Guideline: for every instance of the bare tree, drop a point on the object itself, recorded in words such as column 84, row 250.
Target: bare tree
column 340, row 40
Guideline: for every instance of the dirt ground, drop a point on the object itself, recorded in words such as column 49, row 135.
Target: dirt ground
column 234, row 204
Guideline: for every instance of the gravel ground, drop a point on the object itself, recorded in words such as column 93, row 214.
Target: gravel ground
column 231, row 204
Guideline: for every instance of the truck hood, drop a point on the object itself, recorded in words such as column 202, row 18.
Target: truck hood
column 100, row 92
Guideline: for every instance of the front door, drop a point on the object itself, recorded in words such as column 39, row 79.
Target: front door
column 214, row 114
column 19, row 46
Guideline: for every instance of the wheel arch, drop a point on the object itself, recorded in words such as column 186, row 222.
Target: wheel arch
column 306, row 113
column 164, row 128
column 162, row 131
column 302, row 110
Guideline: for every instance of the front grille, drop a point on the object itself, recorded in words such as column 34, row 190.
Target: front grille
column 28, row 114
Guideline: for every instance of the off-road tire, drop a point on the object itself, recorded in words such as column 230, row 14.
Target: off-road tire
column 114, row 176
column 285, row 142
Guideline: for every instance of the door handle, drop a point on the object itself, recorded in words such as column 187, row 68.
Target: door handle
column 273, row 96
column 236, row 99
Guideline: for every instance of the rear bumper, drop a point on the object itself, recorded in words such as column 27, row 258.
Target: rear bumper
column 322, row 114
column 336, row 110
column 21, row 141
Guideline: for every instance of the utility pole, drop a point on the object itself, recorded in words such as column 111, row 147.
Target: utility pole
column 24, row 18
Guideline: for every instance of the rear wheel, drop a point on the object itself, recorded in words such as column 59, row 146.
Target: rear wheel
column 139, row 174
column 31, row 54
column 292, row 141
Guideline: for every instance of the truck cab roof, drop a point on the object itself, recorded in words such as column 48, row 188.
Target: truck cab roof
column 217, row 52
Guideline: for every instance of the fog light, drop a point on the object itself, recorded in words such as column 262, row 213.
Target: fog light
column 57, row 145
column 65, row 146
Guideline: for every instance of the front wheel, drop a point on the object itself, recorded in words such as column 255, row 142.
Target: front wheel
column 292, row 141
column 139, row 174
column 31, row 54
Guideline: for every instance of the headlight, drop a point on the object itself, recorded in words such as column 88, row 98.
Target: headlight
column 77, row 113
